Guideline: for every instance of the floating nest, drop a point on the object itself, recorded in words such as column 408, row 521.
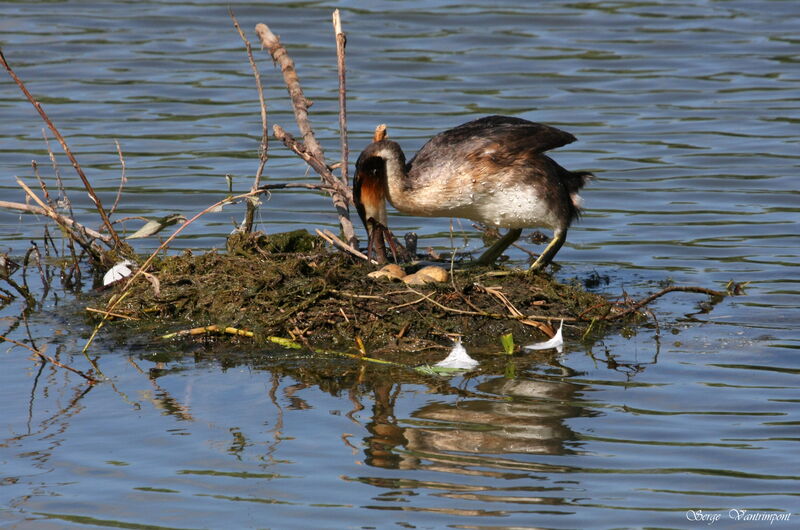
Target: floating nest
column 292, row 285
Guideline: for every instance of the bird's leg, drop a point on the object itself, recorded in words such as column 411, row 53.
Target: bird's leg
column 387, row 234
column 492, row 253
column 378, row 235
column 375, row 240
column 544, row 259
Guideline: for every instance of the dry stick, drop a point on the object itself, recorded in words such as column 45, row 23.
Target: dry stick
column 21, row 289
column 213, row 328
column 341, row 196
column 341, row 42
column 299, row 102
column 86, row 184
column 122, row 179
column 358, row 296
column 75, row 230
column 118, row 315
column 497, row 293
column 674, row 288
column 71, row 226
column 47, row 358
column 52, row 207
column 483, row 313
column 34, row 251
column 289, row 141
column 62, row 192
column 329, row 236
column 247, row 226
column 63, row 201
column 42, row 184
column 300, row 185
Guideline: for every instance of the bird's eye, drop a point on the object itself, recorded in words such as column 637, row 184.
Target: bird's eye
column 375, row 165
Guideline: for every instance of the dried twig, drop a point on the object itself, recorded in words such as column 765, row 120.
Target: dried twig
column 300, row 185
column 122, row 179
column 358, row 296
column 516, row 313
column 48, row 211
column 299, row 102
column 86, row 184
column 247, row 225
column 331, row 238
column 49, row 359
column 318, row 165
column 674, row 288
column 77, row 232
column 5, row 296
column 498, row 316
column 341, row 42
column 310, row 149
column 64, row 203
column 63, row 198
column 42, row 184
column 33, row 255
column 117, row 315
column 7, row 268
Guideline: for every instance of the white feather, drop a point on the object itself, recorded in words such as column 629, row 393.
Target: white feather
column 117, row 272
column 458, row 358
column 556, row 342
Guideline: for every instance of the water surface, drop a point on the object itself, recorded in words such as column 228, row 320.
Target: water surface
column 687, row 114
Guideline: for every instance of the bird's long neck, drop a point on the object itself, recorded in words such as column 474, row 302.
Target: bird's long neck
column 396, row 181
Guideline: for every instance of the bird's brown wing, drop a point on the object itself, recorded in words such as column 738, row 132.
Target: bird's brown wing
column 495, row 140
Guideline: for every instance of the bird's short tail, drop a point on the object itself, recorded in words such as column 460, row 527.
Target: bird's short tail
column 574, row 182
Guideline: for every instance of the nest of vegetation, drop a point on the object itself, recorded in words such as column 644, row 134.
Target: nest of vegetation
column 290, row 285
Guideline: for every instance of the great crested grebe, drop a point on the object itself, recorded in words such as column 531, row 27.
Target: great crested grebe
column 491, row 170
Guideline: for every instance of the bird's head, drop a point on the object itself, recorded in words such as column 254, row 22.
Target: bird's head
column 370, row 188
column 369, row 181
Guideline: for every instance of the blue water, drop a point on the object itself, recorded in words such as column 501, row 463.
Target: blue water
column 687, row 113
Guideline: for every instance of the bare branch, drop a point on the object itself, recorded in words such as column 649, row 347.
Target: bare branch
column 319, row 166
column 341, row 194
column 122, row 179
column 331, row 238
column 49, row 359
column 671, row 289
column 299, row 102
column 247, row 225
column 78, row 232
column 341, row 42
